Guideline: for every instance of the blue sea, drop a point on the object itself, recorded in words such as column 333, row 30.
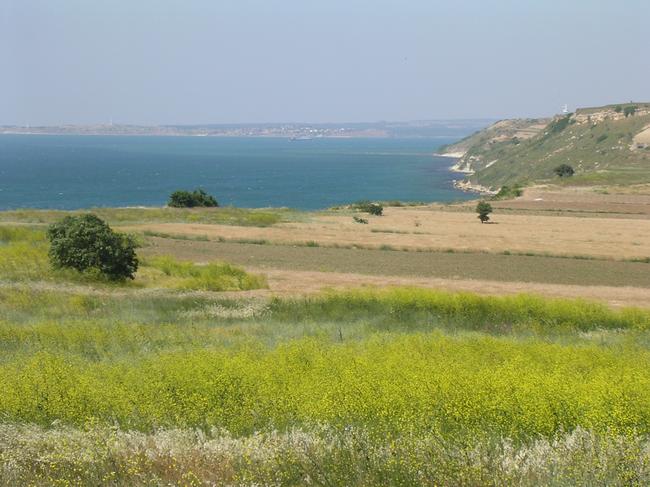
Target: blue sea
column 69, row 172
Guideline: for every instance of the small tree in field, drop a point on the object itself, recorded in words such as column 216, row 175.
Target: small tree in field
column 483, row 209
column 86, row 242
column 375, row 209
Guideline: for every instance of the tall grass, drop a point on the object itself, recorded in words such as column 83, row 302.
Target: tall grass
column 23, row 253
column 337, row 316
column 318, row 456
column 214, row 276
column 20, row 234
column 467, row 310
column 104, row 306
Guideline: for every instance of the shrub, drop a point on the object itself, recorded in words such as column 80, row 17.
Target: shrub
column 358, row 219
column 190, row 199
column 86, row 242
column 629, row 110
column 559, row 124
column 564, row 170
column 483, row 209
column 507, row 192
column 618, row 108
column 369, row 207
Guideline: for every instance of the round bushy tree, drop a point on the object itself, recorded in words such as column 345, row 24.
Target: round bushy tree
column 190, row 199
column 564, row 170
column 483, row 209
column 86, row 242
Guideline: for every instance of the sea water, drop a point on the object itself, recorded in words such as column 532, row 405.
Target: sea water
column 69, row 172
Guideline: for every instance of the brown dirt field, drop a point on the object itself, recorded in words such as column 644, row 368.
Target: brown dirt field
column 282, row 267
column 492, row 267
column 605, row 223
column 304, row 282
column 608, row 202
column 434, row 228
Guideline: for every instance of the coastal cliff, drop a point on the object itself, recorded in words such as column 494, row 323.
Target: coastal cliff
column 604, row 145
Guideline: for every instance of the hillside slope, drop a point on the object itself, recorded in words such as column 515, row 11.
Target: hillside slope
column 604, row 145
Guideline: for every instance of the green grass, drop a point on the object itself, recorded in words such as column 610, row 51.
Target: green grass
column 415, row 379
column 24, row 258
column 337, row 316
column 214, row 276
column 10, row 234
column 463, row 310
column 219, row 371
column 508, row 192
column 166, row 382
column 399, row 366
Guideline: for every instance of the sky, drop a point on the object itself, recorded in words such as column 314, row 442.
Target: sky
column 252, row 61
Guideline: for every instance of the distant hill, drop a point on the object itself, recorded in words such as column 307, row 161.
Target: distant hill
column 298, row 131
column 604, row 145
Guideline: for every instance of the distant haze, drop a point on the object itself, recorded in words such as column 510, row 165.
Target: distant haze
column 235, row 61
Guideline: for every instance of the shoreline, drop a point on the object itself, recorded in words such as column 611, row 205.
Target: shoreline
column 453, row 155
column 456, row 167
column 465, row 185
column 468, row 187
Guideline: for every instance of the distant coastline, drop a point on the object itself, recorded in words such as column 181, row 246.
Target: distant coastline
column 296, row 131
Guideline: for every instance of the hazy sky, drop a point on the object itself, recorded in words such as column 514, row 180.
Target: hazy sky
column 221, row 61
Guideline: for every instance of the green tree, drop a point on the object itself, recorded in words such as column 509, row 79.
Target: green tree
column 483, row 209
column 375, row 209
column 86, row 242
column 564, row 170
column 629, row 110
column 190, row 199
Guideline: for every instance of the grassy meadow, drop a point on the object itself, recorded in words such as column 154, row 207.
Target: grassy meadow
column 597, row 142
column 24, row 257
column 167, row 381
